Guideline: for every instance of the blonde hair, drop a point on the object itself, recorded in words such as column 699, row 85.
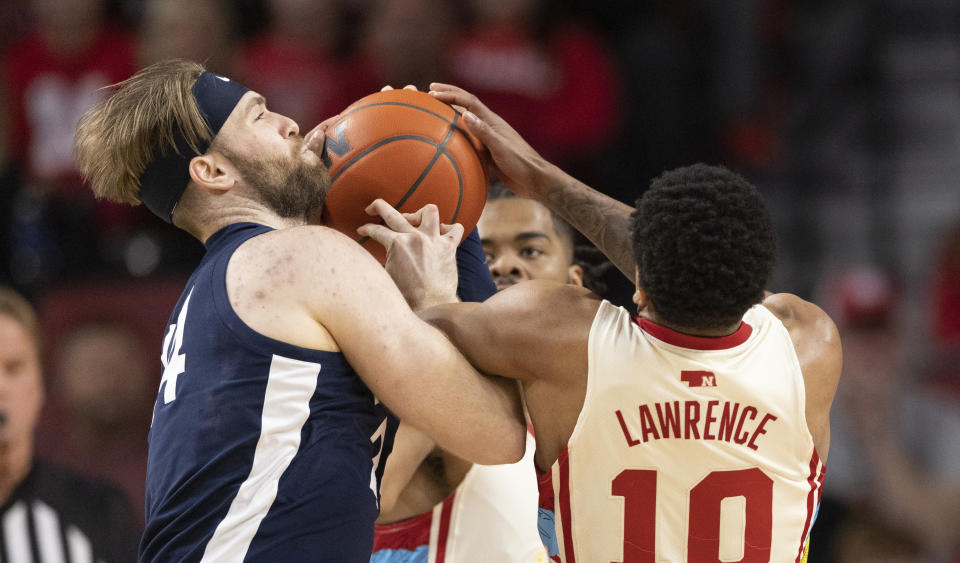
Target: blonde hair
column 15, row 306
column 143, row 119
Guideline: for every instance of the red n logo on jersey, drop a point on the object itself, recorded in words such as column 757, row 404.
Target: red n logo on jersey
column 698, row 378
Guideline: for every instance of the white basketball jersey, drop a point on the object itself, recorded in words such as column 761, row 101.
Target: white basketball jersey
column 491, row 516
column 494, row 515
column 687, row 449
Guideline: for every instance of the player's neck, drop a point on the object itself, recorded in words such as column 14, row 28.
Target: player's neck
column 204, row 228
column 706, row 333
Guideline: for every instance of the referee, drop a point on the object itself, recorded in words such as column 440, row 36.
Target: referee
column 47, row 514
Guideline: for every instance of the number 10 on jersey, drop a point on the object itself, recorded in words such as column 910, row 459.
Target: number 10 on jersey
column 638, row 487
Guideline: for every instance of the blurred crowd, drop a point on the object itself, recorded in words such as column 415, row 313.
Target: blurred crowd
column 613, row 92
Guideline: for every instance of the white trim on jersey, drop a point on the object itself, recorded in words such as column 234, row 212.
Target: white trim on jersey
column 16, row 534
column 48, row 533
column 286, row 407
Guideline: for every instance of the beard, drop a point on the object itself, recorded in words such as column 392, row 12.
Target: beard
column 288, row 186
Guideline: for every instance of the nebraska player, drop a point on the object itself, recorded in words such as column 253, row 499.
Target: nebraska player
column 437, row 507
column 696, row 431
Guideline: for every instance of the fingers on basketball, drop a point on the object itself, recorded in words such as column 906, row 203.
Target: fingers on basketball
column 454, row 232
column 390, row 216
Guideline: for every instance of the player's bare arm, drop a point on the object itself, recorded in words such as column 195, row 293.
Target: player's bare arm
column 601, row 218
column 817, row 342
column 537, row 332
column 348, row 302
column 410, row 448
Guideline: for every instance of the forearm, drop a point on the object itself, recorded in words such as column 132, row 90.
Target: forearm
column 475, row 417
column 604, row 220
column 410, row 448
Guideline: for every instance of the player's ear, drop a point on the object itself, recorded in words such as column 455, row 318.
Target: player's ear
column 209, row 172
column 575, row 275
column 639, row 295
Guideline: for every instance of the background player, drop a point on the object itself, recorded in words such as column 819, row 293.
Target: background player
column 524, row 240
column 667, row 436
column 264, row 444
column 437, row 505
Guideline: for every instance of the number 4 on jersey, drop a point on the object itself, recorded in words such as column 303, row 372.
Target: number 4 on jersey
column 174, row 362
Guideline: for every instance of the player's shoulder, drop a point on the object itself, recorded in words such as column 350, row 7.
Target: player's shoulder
column 543, row 293
column 815, row 336
column 312, row 237
column 305, row 248
column 548, row 301
column 797, row 313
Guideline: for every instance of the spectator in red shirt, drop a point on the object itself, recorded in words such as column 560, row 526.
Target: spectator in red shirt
column 53, row 74
column 294, row 62
column 402, row 42
column 554, row 82
column 198, row 30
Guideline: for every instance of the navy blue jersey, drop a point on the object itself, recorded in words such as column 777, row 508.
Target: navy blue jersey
column 259, row 450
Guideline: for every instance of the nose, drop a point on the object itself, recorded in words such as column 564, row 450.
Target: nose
column 287, row 126
column 507, row 265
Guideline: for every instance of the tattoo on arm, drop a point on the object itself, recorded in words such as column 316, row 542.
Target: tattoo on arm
column 602, row 219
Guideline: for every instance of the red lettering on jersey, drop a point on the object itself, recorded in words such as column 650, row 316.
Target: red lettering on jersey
column 691, row 411
column 669, row 418
column 727, row 419
column 710, row 419
column 631, row 441
column 646, row 423
column 760, row 430
column 698, row 378
column 737, row 436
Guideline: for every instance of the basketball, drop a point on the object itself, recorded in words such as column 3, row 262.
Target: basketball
column 408, row 148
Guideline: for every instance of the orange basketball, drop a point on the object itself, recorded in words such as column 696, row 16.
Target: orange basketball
column 408, row 148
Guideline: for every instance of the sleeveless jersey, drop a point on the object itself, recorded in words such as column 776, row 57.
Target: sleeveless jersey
column 686, row 449
column 490, row 516
column 259, row 450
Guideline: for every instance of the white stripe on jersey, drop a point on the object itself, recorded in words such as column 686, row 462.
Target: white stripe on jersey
column 286, row 407
column 48, row 533
column 16, row 534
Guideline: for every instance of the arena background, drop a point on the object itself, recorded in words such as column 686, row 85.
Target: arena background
column 845, row 113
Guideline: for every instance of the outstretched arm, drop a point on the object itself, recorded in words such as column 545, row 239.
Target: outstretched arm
column 601, row 218
column 534, row 330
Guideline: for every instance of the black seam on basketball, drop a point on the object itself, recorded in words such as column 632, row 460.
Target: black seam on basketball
column 456, row 168
column 411, row 106
column 377, row 145
column 441, row 149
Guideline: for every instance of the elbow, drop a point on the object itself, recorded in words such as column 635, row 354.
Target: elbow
column 508, row 448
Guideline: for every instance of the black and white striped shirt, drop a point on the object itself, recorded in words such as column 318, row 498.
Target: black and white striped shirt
column 56, row 516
